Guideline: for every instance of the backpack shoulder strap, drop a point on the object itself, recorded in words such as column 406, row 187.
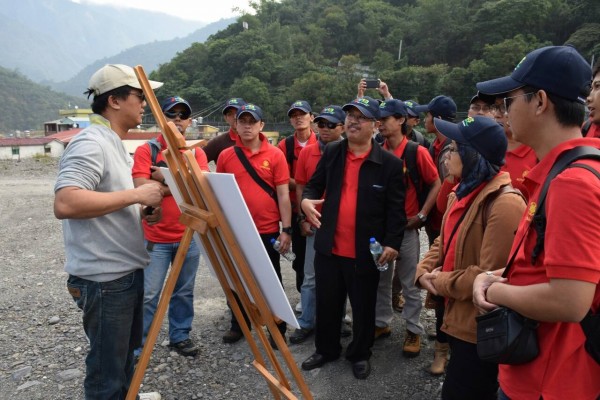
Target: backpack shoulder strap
column 564, row 161
column 289, row 150
column 410, row 157
column 154, row 149
column 586, row 127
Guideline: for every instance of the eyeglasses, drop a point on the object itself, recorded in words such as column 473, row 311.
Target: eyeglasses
column 329, row 125
column 498, row 108
column 478, row 107
column 175, row 114
column 508, row 100
column 141, row 95
column 358, row 118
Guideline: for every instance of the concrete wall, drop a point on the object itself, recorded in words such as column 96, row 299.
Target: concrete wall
column 56, row 150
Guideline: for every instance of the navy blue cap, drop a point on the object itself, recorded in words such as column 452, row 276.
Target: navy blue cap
column 483, row 134
column 486, row 98
column 559, row 70
column 251, row 109
column 410, row 107
column 368, row 106
column 332, row 113
column 301, row 105
column 172, row 101
column 392, row 107
column 439, row 106
column 235, row 102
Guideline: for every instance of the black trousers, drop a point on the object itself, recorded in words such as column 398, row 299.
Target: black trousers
column 275, row 257
column 335, row 278
column 467, row 377
column 299, row 248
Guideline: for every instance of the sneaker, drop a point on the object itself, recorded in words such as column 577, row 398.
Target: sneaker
column 382, row 332
column 412, row 344
column 398, row 302
column 150, row 396
column 300, row 335
column 232, row 336
column 185, row 347
column 299, row 308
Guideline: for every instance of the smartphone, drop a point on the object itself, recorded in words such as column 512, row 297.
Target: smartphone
column 372, row 83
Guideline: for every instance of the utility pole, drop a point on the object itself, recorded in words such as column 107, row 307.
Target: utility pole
column 400, row 50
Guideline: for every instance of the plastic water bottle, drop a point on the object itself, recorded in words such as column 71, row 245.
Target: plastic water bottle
column 376, row 251
column 288, row 255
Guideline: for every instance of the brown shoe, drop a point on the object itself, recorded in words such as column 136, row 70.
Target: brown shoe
column 440, row 358
column 382, row 332
column 412, row 344
column 232, row 336
column 398, row 302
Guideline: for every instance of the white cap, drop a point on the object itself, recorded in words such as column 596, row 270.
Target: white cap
column 112, row 76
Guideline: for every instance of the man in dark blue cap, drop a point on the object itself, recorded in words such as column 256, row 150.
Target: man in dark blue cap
column 300, row 115
column 215, row 146
column 556, row 268
column 331, row 126
column 413, row 119
column 365, row 199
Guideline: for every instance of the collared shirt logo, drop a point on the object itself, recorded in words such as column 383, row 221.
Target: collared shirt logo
column 266, row 165
column 531, row 210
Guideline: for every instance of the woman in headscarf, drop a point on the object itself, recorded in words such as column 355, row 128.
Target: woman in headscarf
column 477, row 232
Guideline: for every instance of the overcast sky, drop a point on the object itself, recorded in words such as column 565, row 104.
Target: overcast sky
column 198, row 10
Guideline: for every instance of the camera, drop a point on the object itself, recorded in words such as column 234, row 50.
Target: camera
column 372, row 83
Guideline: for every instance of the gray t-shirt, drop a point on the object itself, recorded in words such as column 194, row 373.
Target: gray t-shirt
column 108, row 247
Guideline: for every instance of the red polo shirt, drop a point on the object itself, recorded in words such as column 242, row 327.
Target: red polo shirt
column 297, row 149
column 271, row 166
column 518, row 164
column 168, row 229
column 344, row 240
column 563, row 369
column 427, row 171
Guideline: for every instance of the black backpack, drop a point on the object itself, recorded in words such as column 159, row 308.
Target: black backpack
column 410, row 158
column 591, row 323
column 289, row 151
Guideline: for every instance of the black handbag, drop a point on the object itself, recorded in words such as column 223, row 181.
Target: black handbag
column 503, row 335
column 506, row 337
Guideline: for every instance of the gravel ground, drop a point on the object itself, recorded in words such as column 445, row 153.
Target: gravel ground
column 43, row 346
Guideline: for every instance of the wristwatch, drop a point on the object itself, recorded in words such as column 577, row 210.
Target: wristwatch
column 422, row 217
column 287, row 229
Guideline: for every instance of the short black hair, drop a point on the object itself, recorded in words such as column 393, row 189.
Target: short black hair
column 568, row 112
column 100, row 102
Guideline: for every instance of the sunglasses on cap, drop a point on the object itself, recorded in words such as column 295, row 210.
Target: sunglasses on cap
column 329, row 125
column 175, row 114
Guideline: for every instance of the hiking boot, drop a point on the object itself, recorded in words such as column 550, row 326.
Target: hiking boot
column 412, row 344
column 185, row 348
column 382, row 332
column 272, row 341
column 232, row 336
column 398, row 302
column 346, row 330
column 431, row 332
column 150, row 396
column 440, row 358
column 300, row 335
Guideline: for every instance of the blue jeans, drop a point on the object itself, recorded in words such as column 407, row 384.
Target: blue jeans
column 181, row 306
column 308, row 297
column 112, row 321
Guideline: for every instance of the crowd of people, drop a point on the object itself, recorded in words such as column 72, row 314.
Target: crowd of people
column 350, row 175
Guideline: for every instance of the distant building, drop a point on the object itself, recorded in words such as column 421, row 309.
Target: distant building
column 70, row 119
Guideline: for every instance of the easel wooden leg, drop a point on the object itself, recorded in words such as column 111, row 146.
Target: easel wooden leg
column 159, row 315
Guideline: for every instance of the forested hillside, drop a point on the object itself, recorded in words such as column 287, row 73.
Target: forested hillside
column 310, row 49
column 27, row 105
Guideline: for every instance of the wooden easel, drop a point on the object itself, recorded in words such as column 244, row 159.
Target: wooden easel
column 200, row 212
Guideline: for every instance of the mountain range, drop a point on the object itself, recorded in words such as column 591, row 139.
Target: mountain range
column 53, row 40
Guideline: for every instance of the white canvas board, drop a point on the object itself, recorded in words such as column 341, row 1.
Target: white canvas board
column 238, row 216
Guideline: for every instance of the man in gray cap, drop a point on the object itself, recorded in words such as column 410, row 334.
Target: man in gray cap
column 101, row 213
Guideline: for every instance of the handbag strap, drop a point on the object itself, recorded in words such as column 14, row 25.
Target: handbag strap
column 460, row 220
column 264, row 185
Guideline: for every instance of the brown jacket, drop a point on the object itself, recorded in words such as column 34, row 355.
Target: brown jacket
column 478, row 249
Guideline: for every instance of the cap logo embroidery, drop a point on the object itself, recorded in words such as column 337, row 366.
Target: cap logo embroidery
column 328, row 110
column 409, row 103
column 249, row 107
column 362, row 101
column 468, row 121
column 382, row 105
column 297, row 104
